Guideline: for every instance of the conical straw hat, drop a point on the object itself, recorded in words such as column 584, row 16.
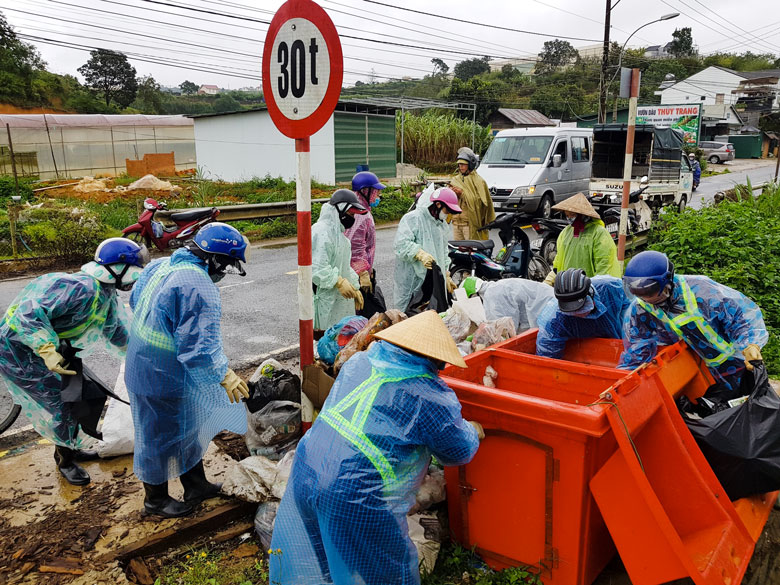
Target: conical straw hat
column 425, row 334
column 577, row 204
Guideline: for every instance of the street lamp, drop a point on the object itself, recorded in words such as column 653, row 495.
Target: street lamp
column 669, row 16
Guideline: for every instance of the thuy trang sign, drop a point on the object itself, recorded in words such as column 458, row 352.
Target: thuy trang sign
column 686, row 117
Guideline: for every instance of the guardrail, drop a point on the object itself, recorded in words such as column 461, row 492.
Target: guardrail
column 247, row 210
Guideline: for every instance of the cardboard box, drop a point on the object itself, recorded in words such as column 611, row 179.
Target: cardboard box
column 316, row 384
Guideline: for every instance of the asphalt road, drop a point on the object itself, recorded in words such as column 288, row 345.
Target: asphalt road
column 711, row 185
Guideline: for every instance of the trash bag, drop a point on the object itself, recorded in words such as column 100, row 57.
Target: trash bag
column 117, row 429
column 264, row 522
column 458, row 323
column 432, row 295
column 271, row 382
column 362, row 339
column 425, row 532
column 374, row 301
column 250, row 479
column 338, row 336
column 491, row 332
column 742, row 444
column 274, row 429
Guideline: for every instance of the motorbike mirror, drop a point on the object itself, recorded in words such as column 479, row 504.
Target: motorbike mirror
column 556, row 160
column 643, row 180
column 150, row 204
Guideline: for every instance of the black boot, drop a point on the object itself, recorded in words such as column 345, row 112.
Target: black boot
column 196, row 487
column 89, row 455
column 75, row 474
column 158, row 502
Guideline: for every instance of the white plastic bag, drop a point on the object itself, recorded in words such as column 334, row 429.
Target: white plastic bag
column 118, row 432
column 425, row 532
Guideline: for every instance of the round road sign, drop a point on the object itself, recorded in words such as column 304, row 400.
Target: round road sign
column 303, row 68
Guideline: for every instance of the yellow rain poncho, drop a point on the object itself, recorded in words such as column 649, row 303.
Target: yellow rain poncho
column 593, row 250
column 476, row 203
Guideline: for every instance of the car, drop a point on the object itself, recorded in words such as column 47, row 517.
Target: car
column 717, row 152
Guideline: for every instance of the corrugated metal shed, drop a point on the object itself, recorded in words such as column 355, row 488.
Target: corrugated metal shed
column 526, row 117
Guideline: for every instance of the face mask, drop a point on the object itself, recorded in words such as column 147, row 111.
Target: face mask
column 375, row 202
column 347, row 220
column 216, row 277
column 442, row 214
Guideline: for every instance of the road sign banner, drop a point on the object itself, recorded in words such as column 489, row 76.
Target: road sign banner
column 303, row 68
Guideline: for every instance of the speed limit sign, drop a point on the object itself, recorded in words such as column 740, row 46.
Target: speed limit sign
column 303, row 68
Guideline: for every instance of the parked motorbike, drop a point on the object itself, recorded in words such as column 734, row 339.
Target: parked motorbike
column 149, row 230
column 516, row 259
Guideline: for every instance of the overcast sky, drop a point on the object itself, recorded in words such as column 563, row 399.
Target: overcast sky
column 173, row 44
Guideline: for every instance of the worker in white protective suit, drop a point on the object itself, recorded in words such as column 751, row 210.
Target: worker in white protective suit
column 421, row 241
column 518, row 298
column 336, row 284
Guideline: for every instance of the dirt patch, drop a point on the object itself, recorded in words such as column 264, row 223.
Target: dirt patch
column 232, row 445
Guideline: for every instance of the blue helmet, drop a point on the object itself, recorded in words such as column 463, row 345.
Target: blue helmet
column 221, row 246
column 121, row 251
column 365, row 179
column 648, row 273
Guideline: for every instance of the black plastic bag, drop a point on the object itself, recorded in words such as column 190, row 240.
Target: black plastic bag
column 373, row 301
column 283, row 385
column 432, row 295
column 742, row 444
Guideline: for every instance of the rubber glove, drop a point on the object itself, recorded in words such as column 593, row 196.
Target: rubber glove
column 426, row 259
column 236, row 388
column 450, row 285
column 358, row 301
column 478, row 428
column 345, row 288
column 550, row 278
column 53, row 360
column 365, row 281
column 752, row 353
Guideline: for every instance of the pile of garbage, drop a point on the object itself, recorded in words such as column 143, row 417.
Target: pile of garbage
column 470, row 328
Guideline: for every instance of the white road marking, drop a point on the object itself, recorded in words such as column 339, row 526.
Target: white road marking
column 237, row 284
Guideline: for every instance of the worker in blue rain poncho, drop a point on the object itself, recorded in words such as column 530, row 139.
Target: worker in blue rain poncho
column 82, row 310
column 582, row 308
column 342, row 519
column 177, row 375
column 421, row 240
column 724, row 327
column 336, row 285
column 520, row 299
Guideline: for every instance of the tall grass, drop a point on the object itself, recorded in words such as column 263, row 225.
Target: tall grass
column 431, row 141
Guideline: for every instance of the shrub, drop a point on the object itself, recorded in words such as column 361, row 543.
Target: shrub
column 736, row 243
column 8, row 188
column 70, row 235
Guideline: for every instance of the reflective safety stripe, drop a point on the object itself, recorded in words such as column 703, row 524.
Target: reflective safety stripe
column 94, row 317
column 362, row 398
column 692, row 315
column 159, row 339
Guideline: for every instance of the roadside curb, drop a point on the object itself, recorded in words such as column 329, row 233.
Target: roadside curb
column 283, row 353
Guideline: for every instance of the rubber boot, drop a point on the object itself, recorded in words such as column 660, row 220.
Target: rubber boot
column 158, row 502
column 196, row 487
column 73, row 473
column 88, row 455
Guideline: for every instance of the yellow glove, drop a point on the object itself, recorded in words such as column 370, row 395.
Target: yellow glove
column 358, row 300
column 752, row 353
column 426, row 259
column 550, row 279
column 346, row 289
column 478, row 428
column 450, row 285
column 236, row 388
column 365, row 280
column 53, row 360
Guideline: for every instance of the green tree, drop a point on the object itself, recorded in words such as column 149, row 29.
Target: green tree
column 488, row 95
column 18, row 63
column 556, row 53
column 149, row 97
column 439, row 67
column 559, row 101
column 188, row 88
column 111, row 75
column 226, row 103
column 469, row 68
column 682, row 43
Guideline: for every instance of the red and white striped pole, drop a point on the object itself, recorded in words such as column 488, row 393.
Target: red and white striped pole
column 628, row 163
column 305, row 293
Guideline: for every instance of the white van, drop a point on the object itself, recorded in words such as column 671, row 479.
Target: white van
column 531, row 169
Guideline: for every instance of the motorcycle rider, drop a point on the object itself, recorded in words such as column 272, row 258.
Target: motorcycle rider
column 696, row 170
column 421, row 240
column 82, row 309
column 724, row 327
column 518, row 298
column 177, row 374
column 362, row 235
column 337, row 293
column 583, row 308
column 585, row 243
column 473, row 197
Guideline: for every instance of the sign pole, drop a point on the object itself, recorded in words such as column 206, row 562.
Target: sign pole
column 305, row 294
column 628, row 163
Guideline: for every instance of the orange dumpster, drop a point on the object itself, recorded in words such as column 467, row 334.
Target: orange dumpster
column 526, row 497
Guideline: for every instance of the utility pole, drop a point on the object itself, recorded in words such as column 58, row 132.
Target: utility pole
column 628, row 163
column 604, row 64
